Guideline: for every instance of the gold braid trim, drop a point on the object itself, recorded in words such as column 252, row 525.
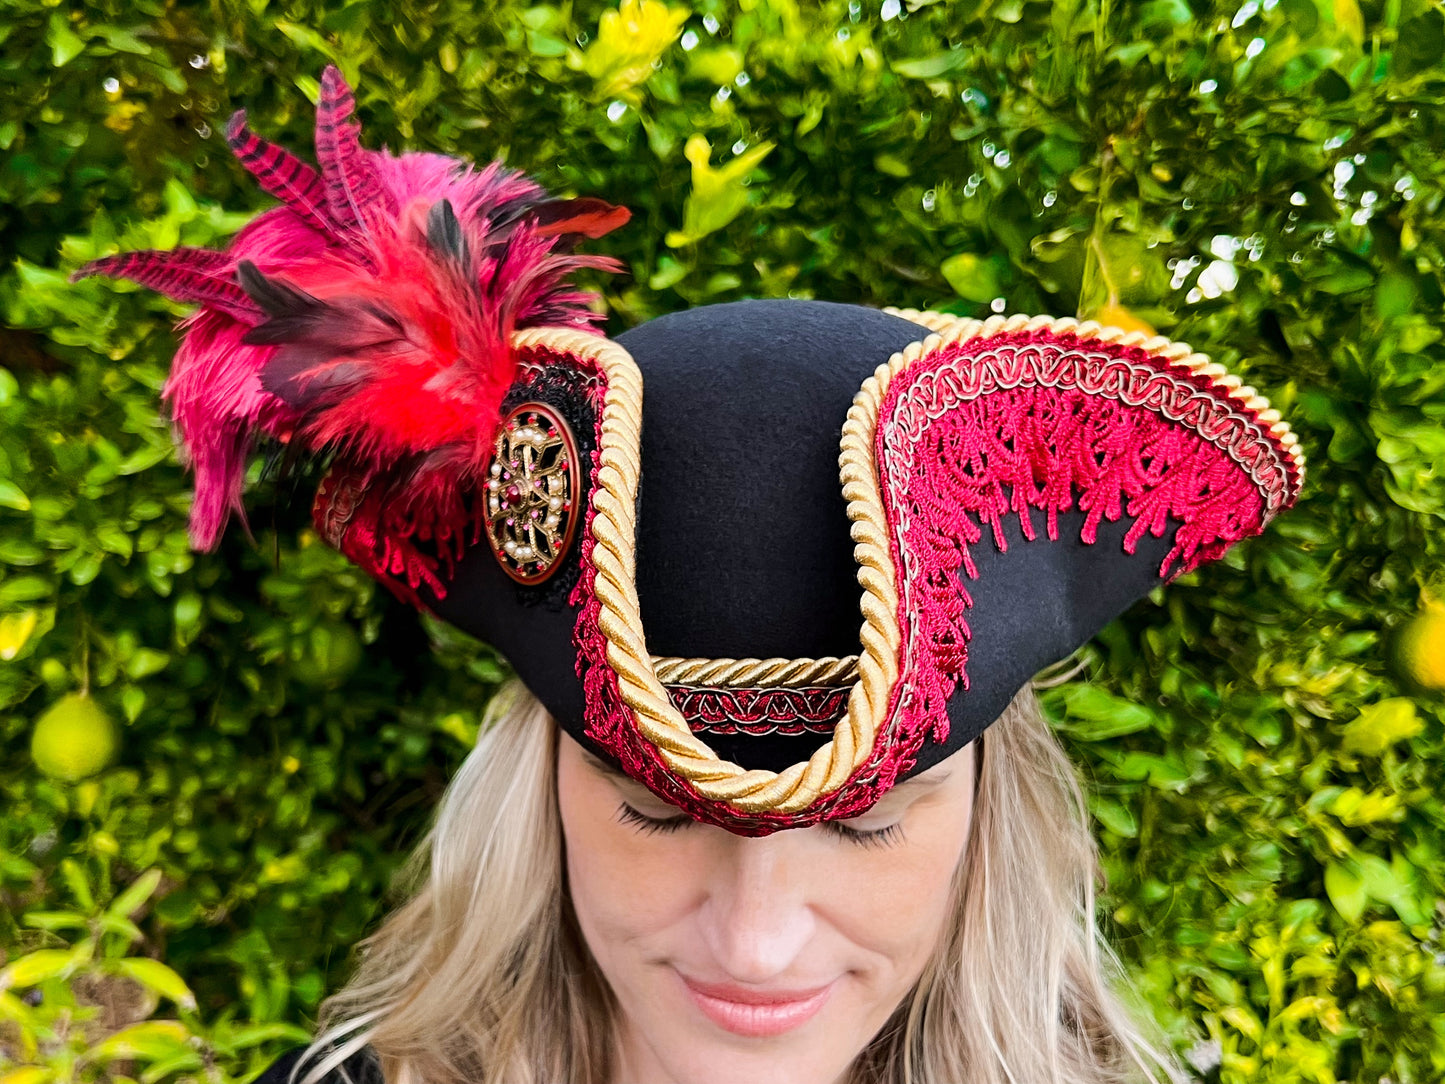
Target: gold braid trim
column 613, row 527
column 939, row 322
column 1180, row 353
column 614, row 531
column 756, row 673
column 959, row 329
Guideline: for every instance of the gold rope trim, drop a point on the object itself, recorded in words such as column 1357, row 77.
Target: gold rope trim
column 614, row 531
column 756, row 673
column 939, row 322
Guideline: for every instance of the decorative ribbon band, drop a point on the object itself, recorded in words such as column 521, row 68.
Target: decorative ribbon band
column 813, row 709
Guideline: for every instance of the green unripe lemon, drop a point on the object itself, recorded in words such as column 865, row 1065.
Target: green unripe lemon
column 1420, row 649
column 73, row 739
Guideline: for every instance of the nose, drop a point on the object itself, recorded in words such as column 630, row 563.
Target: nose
column 758, row 919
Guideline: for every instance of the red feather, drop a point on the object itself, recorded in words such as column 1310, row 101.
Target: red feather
column 185, row 274
column 589, row 217
column 279, row 172
column 368, row 320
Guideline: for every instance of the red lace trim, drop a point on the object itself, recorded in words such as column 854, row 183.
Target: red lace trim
column 813, row 709
column 610, row 723
column 1050, row 422
column 350, row 516
column 966, row 436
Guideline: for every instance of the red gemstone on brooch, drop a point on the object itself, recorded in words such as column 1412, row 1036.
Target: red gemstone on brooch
column 530, row 502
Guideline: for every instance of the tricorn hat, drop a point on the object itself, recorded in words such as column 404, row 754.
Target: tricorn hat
column 770, row 557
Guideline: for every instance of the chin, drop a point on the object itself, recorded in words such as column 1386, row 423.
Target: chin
column 711, row 1044
column 728, row 1063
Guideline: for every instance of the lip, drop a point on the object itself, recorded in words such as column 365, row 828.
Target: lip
column 755, row 1013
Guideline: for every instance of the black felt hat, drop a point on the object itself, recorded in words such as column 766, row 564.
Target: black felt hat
column 843, row 538
column 771, row 557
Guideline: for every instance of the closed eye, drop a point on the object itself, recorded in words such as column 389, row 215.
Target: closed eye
column 879, row 837
column 648, row 825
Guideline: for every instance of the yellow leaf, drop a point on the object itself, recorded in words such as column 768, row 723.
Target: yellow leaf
column 15, row 630
column 157, row 977
column 718, row 194
column 35, row 967
column 1381, row 725
column 719, row 66
column 150, row 1041
column 629, row 41
column 28, row 1074
column 1349, row 20
column 1243, row 1021
column 706, row 179
column 1306, row 1008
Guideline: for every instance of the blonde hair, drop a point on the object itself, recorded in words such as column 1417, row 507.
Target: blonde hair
column 483, row 977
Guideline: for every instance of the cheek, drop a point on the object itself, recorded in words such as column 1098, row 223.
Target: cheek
column 894, row 901
column 627, row 887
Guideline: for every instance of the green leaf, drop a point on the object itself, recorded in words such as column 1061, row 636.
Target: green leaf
column 36, row 967
column 65, row 44
column 124, row 927
column 145, row 662
column 307, row 38
column 1346, row 280
column 1303, row 15
column 132, row 702
column 17, row 551
column 156, row 977
column 973, row 277
column 25, row 589
column 11, row 496
column 1094, row 714
column 540, row 44
column 243, row 1038
column 1395, row 294
column 136, row 894
column 931, row 67
column 1167, row 12
column 1114, row 816
column 55, row 920
column 182, row 1062
column 78, row 883
column 121, row 40
column 143, row 459
column 114, row 540
column 1346, row 889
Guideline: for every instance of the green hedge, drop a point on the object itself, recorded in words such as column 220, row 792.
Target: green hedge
column 1260, row 179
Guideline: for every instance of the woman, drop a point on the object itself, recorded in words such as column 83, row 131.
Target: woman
column 955, row 944
column 748, row 818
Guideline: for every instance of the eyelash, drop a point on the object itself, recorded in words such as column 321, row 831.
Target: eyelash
column 882, row 837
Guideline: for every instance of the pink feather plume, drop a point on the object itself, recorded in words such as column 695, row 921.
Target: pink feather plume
column 368, row 318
